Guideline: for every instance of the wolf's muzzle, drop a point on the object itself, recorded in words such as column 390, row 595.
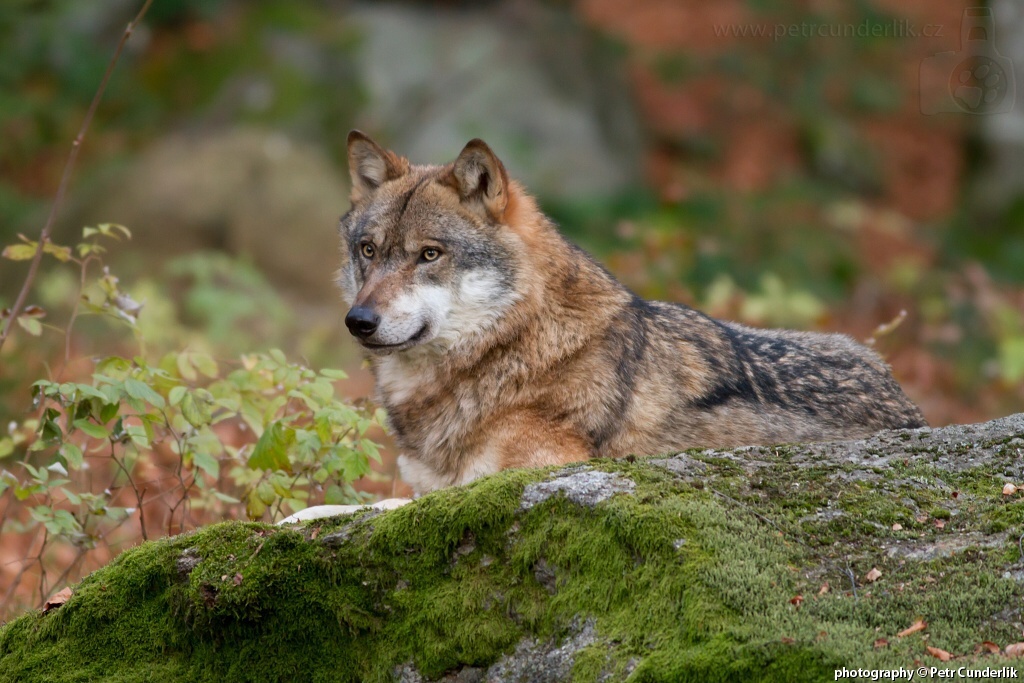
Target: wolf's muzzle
column 362, row 322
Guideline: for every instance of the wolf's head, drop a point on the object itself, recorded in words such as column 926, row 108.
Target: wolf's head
column 427, row 257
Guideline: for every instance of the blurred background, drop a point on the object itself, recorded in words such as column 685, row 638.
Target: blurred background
column 815, row 164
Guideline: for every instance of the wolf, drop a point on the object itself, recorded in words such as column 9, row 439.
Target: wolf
column 496, row 343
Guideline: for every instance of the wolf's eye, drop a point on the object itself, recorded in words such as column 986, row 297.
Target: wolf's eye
column 367, row 250
column 430, row 254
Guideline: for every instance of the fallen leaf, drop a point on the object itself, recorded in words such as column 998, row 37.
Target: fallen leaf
column 873, row 575
column 238, row 579
column 796, row 600
column 787, row 641
column 939, row 654
column 1009, row 489
column 824, row 588
column 918, row 625
column 956, row 494
column 940, row 524
column 57, row 599
column 880, row 643
column 987, row 645
column 921, row 519
column 897, row 527
column 1015, row 650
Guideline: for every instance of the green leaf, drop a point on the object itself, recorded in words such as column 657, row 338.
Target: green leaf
column 266, row 492
column 254, row 507
column 335, row 495
column 31, row 325
column 143, row 392
column 91, row 392
column 109, row 411
column 333, row 374
column 114, row 366
column 207, row 463
column 225, row 497
column 6, row 446
column 72, row 497
column 62, row 254
column 73, row 455
column 185, row 367
column 176, row 394
column 92, row 429
column 310, row 402
column 138, row 435
column 205, row 364
column 271, row 451
column 195, row 410
column 19, row 252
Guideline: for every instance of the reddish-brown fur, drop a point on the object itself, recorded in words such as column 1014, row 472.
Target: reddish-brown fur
column 563, row 363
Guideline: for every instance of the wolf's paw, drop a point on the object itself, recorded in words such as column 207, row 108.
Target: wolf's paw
column 321, row 511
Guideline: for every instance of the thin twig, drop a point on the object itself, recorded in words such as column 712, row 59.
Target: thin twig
column 65, row 179
column 26, row 563
column 73, row 317
column 853, row 579
column 139, row 496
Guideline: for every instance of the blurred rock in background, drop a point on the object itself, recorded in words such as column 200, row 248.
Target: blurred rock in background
column 529, row 79
column 246, row 190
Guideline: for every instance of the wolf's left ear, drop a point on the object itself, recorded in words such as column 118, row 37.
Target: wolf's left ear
column 480, row 179
column 370, row 165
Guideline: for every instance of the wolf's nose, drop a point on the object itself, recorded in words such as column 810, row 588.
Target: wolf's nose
column 362, row 321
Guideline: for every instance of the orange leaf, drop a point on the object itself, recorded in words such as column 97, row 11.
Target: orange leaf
column 940, row 654
column 57, row 600
column 988, row 645
column 880, row 643
column 824, row 588
column 918, row 625
column 1009, row 489
column 873, row 575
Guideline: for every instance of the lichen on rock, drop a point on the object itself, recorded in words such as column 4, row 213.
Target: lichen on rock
column 766, row 563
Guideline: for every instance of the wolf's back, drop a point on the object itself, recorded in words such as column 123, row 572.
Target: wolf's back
column 715, row 383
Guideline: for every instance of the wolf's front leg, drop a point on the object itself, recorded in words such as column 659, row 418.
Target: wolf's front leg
column 529, row 439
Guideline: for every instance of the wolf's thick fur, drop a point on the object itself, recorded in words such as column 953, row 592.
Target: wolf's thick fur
column 496, row 343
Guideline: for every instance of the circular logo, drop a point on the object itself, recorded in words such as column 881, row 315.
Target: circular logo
column 978, row 85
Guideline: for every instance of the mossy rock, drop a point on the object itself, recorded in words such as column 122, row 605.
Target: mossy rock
column 742, row 565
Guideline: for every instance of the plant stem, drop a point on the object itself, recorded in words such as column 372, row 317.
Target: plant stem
column 65, row 179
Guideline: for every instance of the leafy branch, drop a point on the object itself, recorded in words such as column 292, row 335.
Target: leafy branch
column 76, row 146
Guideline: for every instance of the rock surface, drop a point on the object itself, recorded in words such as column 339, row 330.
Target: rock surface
column 765, row 563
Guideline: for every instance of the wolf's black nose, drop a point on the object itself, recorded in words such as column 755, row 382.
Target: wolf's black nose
column 362, row 321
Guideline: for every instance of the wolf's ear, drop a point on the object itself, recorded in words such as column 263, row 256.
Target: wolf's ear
column 480, row 179
column 370, row 165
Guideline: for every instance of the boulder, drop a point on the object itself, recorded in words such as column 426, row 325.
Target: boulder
column 248, row 190
column 762, row 563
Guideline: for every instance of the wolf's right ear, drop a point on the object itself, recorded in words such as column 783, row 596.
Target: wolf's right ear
column 370, row 165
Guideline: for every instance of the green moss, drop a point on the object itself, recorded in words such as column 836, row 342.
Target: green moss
column 681, row 582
